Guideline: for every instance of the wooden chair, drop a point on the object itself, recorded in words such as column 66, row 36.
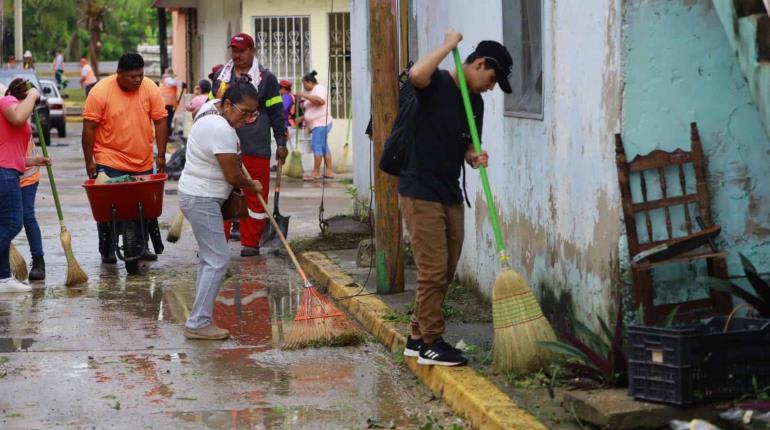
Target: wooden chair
column 695, row 244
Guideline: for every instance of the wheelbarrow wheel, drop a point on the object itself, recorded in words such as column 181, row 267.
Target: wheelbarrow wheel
column 131, row 246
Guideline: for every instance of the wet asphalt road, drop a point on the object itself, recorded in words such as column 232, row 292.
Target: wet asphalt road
column 111, row 354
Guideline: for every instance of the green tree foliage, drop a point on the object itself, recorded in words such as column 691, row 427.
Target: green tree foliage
column 61, row 24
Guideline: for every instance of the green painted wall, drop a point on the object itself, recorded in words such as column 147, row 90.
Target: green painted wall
column 679, row 67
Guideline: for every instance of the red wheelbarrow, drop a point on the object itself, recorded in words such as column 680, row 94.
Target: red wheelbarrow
column 127, row 206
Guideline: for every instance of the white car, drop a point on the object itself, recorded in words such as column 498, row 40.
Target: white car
column 55, row 105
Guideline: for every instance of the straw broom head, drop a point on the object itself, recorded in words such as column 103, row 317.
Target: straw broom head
column 75, row 275
column 319, row 323
column 18, row 265
column 294, row 165
column 520, row 326
column 175, row 232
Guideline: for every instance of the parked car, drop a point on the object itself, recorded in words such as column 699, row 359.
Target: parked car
column 6, row 76
column 55, row 105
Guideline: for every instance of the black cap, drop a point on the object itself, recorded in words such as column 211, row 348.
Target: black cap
column 496, row 54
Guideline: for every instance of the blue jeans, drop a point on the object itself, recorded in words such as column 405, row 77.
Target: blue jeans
column 106, row 245
column 31, row 228
column 10, row 216
column 319, row 140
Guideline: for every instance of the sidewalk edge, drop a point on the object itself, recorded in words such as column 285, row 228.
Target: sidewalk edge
column 466, row 392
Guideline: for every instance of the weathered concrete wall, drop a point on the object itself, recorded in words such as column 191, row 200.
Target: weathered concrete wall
column 217, row 22
column 679, row 67
column 554, row 179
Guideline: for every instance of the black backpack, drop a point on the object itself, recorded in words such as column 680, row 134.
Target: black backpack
column 401, row 139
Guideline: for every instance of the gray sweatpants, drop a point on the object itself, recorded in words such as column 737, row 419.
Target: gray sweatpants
column 205, row 217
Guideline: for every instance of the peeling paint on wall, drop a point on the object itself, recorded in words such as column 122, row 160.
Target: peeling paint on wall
column 680, row 67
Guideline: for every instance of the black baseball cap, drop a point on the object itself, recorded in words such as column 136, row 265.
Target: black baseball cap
column 496, row 54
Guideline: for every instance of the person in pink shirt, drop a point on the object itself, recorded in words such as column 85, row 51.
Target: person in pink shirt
column 318, row 122
column 16, row 108
column 200, row 97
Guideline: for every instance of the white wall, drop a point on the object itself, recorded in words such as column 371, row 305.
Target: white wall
column 554, row 180
column 217, row 22
column 318, row 11
column 362, row 84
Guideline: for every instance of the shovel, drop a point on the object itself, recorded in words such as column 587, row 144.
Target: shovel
column 269, row 237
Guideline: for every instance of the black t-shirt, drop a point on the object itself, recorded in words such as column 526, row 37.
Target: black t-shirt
column 441, row 138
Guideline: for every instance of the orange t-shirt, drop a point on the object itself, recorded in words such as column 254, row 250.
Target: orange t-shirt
column 125, row 123
column 32, row 174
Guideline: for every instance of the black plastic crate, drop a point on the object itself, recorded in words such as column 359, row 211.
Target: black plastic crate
column 698, row 363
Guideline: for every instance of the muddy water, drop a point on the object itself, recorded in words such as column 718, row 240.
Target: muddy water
column 111, row 354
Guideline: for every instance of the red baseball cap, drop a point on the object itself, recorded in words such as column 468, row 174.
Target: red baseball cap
column 285, row 84
column 242, row 41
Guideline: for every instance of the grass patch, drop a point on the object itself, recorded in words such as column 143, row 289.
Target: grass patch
column 395, row 316
column 345, row 339
column 76, row 95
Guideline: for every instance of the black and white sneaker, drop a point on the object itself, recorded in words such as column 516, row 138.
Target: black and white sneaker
column 440, row 353
column 412, row 348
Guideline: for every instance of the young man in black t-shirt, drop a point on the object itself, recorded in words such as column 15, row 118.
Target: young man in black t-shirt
column 429, row 190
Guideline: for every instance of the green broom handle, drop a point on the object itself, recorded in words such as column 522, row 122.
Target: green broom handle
column 477, row 146
column 41, row 137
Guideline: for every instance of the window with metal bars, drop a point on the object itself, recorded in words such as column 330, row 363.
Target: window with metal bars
column 283, row 45
column 339, row 64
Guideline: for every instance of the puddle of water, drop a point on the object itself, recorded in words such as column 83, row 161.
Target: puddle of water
column 13, row 344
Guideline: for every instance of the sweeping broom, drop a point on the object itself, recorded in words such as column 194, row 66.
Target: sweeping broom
column 75, row 275
column 18, row 265
column 318, row 322
column 517, row 318
column 175, row 232
column 294, row 164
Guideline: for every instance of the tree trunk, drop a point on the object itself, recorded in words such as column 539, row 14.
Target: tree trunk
column 95, row 47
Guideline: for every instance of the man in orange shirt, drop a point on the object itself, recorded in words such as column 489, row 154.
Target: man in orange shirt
column 118, row 120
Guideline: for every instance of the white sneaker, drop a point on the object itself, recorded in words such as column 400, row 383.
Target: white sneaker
column 11, row 285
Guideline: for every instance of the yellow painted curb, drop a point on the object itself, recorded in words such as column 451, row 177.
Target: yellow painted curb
column 73, row 118
column 468, row 393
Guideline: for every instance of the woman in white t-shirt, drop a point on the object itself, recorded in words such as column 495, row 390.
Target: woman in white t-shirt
column 212, row 169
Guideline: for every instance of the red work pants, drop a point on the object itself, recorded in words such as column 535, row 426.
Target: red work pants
column 253, row 226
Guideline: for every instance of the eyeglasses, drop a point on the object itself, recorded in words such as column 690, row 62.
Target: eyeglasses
column 248, row 115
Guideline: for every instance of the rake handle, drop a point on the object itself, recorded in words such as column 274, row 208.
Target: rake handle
column 279, row 233
column 44, row 148
column 499, row 241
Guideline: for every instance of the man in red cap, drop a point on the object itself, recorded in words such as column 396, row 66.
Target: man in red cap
column 255, row 135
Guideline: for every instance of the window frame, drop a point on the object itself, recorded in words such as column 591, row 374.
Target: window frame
column 522, row 114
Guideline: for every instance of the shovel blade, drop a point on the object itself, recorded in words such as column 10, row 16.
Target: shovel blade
column 270, row 237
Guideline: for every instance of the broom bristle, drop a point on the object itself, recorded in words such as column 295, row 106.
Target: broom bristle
column 519, row 325
column 175, row 232
column 319, row 323
column 294, row 166
column 18, row 264
column 75, row 274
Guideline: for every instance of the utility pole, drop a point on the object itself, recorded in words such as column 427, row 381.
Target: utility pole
column 383, row 48
column 18, row 33
column 162, row 40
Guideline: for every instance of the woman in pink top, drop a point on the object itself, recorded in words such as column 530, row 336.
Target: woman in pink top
column 318, row 122
column 16, row 108
column 201, row 96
